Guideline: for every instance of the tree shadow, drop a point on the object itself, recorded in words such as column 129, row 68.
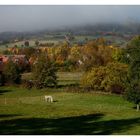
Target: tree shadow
column 7, row 116
column 55, row 101
column 78, row 125
column 3, row 91
column 134, row 107
column 68, row 85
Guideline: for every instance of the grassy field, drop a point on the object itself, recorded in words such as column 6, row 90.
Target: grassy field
column 24, row 111
column 64, row 78
column 52, row 39
column 68, row 78
column 31, row 42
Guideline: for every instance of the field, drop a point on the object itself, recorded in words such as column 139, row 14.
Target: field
column 24, row 111
column 32, row 43
column 53, row 39
column 64, row 78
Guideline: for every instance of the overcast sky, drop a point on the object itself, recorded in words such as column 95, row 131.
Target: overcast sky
column 28, row 18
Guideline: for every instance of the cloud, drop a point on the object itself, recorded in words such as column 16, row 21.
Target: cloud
column 27, row 18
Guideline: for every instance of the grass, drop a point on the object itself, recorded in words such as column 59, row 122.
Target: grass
column 31, row 42
column 64, row 78
column 68, row 78
column 26, row 112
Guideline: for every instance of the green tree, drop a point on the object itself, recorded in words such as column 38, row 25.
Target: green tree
column 1, row 79
column 133, row 87
column 11, row 73
column 120, row 55
column 36, row 43
column 44, row 71
column 26, row 43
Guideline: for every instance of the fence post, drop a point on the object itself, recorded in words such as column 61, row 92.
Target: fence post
column 5, row 101
column 19, row 100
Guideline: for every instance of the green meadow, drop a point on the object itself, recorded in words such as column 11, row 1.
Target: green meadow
column 24, row 111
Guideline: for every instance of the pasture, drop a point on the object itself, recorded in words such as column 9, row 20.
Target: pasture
column 64, row 78
column 31, row 42
column 56, row 39
column 25, row 111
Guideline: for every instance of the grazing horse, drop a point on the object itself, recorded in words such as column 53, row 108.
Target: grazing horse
column 48, row 98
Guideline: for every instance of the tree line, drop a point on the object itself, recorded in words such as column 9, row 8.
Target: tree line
column 106, row 68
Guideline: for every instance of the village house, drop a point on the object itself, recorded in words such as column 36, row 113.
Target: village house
column 18, row 59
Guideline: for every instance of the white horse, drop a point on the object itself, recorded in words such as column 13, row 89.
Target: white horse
column 48, row 98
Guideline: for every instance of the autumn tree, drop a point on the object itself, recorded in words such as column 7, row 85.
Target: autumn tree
column 27, row 51
column 96, row 55
column 110, row 78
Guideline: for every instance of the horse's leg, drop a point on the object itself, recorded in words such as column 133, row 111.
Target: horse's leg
column 51, row 99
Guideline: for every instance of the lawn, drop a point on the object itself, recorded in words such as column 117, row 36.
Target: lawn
column 24, row 111
column 31, row 42
column 64, row 78
column 69, row 78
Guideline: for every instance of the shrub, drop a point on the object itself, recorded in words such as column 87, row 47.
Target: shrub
column 133, row 87
column 28, row 84
column 111, row 78
column 133, row 93
column 11, row 73
column 44, row 72
column 1, row 79
column 38, row 84
column 94, row 78
column 116, row 77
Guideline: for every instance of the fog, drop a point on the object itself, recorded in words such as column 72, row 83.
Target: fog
column 31, row 18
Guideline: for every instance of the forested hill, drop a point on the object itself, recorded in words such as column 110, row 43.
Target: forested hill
column 98, row 29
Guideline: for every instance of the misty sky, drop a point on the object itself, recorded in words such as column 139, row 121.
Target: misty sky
column 29, row 18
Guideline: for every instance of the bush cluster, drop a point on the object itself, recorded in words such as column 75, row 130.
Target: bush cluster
column 111, row 78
